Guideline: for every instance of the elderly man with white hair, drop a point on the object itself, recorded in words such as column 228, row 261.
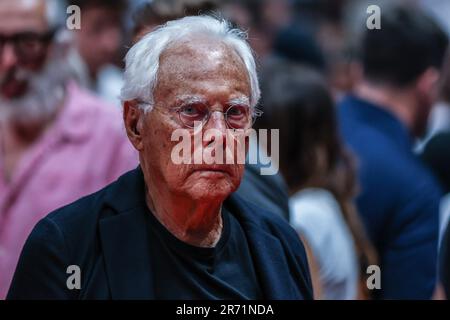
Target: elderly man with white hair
column 57, row 142
column 168, row 230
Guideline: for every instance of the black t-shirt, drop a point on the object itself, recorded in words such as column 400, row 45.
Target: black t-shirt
column 183, row 271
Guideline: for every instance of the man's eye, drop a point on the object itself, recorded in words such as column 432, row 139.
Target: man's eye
column 236, row 111
column 191, row 110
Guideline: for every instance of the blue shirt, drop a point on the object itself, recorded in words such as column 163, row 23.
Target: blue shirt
column 398, row 199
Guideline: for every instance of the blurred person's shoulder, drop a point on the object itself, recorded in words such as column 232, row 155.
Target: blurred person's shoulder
column 314, row 207
column 383, row 148
column 368, row 129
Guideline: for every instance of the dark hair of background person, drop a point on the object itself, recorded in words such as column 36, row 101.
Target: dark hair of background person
column 298, row 45
column 408, row 43
column 255, row 8
column 116, row 5
column 318, row 11
column 295, row 100
column 158, row 12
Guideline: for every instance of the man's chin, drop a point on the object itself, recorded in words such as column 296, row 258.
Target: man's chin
column 211, row 189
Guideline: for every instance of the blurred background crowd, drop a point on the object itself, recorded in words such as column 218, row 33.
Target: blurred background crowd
column 364, row 119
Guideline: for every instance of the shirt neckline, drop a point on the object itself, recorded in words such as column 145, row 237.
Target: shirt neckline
column 186, row 248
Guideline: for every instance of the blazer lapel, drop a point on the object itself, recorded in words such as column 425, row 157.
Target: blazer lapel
column 271, row 266
column 126, row 251
column 268, row 256
column 124, row 239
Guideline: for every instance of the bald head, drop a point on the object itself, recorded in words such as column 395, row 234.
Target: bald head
column 23, row 16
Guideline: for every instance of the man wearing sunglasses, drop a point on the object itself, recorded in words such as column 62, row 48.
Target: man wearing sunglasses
column 57, row 143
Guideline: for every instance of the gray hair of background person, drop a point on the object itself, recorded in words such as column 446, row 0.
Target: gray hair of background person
column 56, row 13
column 142, row 61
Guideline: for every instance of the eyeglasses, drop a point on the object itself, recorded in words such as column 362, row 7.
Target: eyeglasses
column 236, row 116
column 27, row 46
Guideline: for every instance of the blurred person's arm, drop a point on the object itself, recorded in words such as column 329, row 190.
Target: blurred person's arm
column 313, row 270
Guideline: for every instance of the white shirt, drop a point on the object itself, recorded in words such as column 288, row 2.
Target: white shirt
column 317, row 216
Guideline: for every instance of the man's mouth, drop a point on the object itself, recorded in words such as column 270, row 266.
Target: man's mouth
column 212, row 168
column 12, row 88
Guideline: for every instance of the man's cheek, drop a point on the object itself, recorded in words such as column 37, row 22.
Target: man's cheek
column 176, row 174
column 238, row 174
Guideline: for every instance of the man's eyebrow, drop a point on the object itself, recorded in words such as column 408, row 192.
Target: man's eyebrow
column 189, row 99
column 183, row 100
column 239, row 101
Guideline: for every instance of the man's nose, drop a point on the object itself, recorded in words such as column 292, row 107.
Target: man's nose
column 217, row 123
column 8, row 58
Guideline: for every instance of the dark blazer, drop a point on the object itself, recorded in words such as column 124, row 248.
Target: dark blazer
column 106, row 236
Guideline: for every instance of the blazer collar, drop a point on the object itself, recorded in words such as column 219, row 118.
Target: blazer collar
column 269, row 256
column 125, row 244
column 124, row 239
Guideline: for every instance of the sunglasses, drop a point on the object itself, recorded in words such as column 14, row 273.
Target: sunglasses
column 28, row 46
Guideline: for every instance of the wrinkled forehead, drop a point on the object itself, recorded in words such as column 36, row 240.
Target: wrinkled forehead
column 198, row 46
column 23, row 15
column 202, row 61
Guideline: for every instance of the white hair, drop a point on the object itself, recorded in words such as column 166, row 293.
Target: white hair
column 142, row 61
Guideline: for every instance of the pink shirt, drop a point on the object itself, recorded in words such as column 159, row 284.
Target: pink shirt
column 84, row 150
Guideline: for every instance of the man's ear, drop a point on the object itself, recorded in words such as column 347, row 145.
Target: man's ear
column 428, row 82
column 133, row 117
